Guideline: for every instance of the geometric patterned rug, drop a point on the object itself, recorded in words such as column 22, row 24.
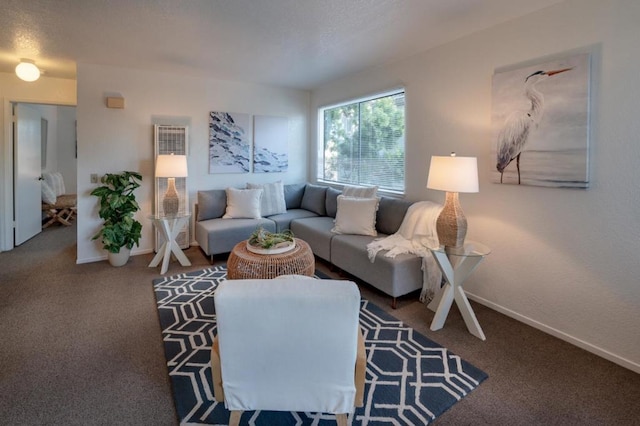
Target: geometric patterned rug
column 410, row 380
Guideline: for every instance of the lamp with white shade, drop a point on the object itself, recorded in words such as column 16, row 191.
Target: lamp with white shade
column 171, row 166
column 453, row 175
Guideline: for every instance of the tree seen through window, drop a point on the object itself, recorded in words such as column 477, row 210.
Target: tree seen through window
column 364, row 143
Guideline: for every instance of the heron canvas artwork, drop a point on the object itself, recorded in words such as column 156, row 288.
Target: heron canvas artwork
column 540, row 124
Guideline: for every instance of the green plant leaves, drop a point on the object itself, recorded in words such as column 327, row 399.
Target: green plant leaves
column 117, row 208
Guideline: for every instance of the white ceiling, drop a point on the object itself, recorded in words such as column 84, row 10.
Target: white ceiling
column 294, row 43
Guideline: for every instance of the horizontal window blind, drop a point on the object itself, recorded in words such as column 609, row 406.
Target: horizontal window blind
column 364, row 143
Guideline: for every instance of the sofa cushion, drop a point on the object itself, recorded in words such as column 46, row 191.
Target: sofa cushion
column 394, row 276
column 221, row 235
column 390, row 214
column 283, row 221
column 211, row 204
column 272, row 197
column 356, row 216
column 243, row 203
column 317, row 232
column 293, row 194
column 360, row 191
column 331, row 202
column 314, row 199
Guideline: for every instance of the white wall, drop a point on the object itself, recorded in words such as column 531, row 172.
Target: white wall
column 66, row 147
column 565, row 261
column 12, row 89
column 112, row 140
column 50, row 113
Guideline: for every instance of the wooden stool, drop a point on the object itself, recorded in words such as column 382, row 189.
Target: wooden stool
column 63, row 211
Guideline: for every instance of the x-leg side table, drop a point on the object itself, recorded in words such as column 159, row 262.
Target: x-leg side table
column 456, row 266
column 170, row 227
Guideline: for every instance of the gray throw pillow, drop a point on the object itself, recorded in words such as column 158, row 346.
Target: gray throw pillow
column 314, row 199
column 293, row 195
column 390, row 214
column 212, row 204
column 331, row 203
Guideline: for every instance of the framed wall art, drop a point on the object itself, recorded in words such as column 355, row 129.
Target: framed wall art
column 540, row 123
column 270, row 150
column 229, row 142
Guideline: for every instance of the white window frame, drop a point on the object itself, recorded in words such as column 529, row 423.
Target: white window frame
column 320, row 139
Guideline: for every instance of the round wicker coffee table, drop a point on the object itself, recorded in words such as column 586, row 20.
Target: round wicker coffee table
column 243, row 264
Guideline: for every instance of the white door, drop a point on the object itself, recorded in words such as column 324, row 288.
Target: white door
column 27, row 172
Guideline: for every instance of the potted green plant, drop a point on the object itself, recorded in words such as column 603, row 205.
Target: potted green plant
column 265, row 242
column 118, row 205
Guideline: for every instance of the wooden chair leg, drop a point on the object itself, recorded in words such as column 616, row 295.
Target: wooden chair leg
column 360, row 371
column 68, row 214
column 62, row 217
column 216, row 371
column 341, row 419
column 394, row 303
column 51, row 219
column 58, row 215
column 234, row 419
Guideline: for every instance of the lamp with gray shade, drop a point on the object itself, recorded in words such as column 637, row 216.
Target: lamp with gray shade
column 453, row 175
column 171, row 166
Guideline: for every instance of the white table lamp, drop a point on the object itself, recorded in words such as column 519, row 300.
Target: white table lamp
column 453, row 175
column 171, row 166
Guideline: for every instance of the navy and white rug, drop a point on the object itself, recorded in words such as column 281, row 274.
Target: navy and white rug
column 410, row 379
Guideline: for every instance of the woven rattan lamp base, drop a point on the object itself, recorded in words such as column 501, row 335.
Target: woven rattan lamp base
column 243, row 264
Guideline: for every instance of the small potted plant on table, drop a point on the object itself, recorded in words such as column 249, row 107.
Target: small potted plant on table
column 118, row 205
column 265, row 242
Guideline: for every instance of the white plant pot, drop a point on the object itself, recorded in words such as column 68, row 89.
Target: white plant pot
column 120, row 258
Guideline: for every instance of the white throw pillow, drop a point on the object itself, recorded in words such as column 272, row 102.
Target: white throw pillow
column 356, row 216
column 272, row 198
column 359, row 191
column 48, row 194
column 55, row 181
column 243, row 204
column 59, row 188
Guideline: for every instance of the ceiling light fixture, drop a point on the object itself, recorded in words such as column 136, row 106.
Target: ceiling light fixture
column 27, row 70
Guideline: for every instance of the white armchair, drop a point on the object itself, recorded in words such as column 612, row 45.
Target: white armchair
column 290, row 344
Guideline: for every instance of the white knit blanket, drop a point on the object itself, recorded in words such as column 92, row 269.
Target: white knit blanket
column 416, row 234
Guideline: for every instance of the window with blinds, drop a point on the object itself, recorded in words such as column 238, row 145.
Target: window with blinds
column 364, row 142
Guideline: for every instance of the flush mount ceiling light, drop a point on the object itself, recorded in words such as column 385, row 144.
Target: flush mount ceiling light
column 27, row 70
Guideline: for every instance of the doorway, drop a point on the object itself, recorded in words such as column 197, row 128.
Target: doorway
column 44, row 141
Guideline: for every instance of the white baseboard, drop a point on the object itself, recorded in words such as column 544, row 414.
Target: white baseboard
column 91, row 259
column 104, row 256
column 635, row 367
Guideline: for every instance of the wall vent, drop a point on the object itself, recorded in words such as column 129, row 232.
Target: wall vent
column 171, row 139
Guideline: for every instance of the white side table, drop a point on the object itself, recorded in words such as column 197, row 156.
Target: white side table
column 169, row 226
column 456, row 266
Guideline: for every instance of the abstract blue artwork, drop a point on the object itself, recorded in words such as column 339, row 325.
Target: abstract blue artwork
column 270, row 151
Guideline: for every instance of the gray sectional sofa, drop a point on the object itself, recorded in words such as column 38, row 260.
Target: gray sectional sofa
column 311, row 210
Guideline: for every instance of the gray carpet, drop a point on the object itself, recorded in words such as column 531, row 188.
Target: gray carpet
column 81, row 345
